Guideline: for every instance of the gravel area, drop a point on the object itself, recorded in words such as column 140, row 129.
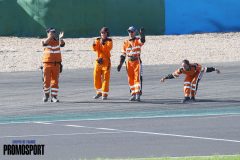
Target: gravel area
column 24, row 54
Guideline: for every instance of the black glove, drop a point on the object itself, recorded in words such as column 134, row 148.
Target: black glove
column 122, row 60
column 100, row 60
column 142, row 34
column 119, row 67
column 61, row 67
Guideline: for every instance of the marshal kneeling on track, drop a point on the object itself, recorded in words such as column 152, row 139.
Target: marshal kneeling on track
column 194, row 73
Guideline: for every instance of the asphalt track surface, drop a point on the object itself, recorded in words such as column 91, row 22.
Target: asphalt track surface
column 158, row 126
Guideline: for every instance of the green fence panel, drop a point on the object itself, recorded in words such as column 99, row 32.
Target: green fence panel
column 79, row 18
column 14, row 21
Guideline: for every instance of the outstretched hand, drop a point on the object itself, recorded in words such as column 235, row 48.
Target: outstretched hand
column 141, row 31
column 61, row 34
column 218, row 71
column 162, row 80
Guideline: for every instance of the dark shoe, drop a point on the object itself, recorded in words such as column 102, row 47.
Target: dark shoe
column 132, row 98
column 46, row 96
column 54, row 99
column 186, row 100
column 137, row 97
column 104, row 98
column 193, row 99
column 97, row 96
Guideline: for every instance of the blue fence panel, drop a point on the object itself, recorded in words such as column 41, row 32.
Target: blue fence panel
column 197, row 16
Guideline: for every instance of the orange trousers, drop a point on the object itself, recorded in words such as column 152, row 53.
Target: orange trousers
column 101, row 78
column 51, row 75
column 134, row 74
column 191, row 84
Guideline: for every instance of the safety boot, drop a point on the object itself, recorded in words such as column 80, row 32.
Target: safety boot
column 104, row 97
column 54, row 99
column 137, row 97
column 186, row 100
column 132, row 98
column 193, row 99
column 97, row 96
column 45, row 97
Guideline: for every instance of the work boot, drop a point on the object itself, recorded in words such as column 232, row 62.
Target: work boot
column 186, row 100
column 97, row 96
column 46, row 96
column 54, row 99
column 137, row 97
column 104, row 97
column 132, row 98
column 193, row 99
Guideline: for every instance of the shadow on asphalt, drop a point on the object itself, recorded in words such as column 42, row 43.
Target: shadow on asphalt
column 125, row 101
column 151, row 101
column 219, row 100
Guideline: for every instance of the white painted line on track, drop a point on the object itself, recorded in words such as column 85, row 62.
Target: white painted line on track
column 120, row 131
column 60, row 134
column 126, row 118
column 220, row 116
column 42, row 122
column 77, row 126
column 157, row 133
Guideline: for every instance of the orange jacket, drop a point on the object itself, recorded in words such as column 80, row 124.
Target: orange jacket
column 103, row 51
column 194, row 70
column 52, row 52
column 132, row 47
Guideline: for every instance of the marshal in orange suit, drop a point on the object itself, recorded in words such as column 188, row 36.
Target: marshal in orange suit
column 131, row 52
column 52, row 64
column 101, row 75
column 193, row 74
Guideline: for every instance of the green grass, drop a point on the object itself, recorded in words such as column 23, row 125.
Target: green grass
column 216, row 157
column 235, row 157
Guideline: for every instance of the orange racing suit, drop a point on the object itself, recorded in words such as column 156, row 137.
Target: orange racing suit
column 132, row 50
column 51, row 66
column 101, row 74
column 192, row 78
